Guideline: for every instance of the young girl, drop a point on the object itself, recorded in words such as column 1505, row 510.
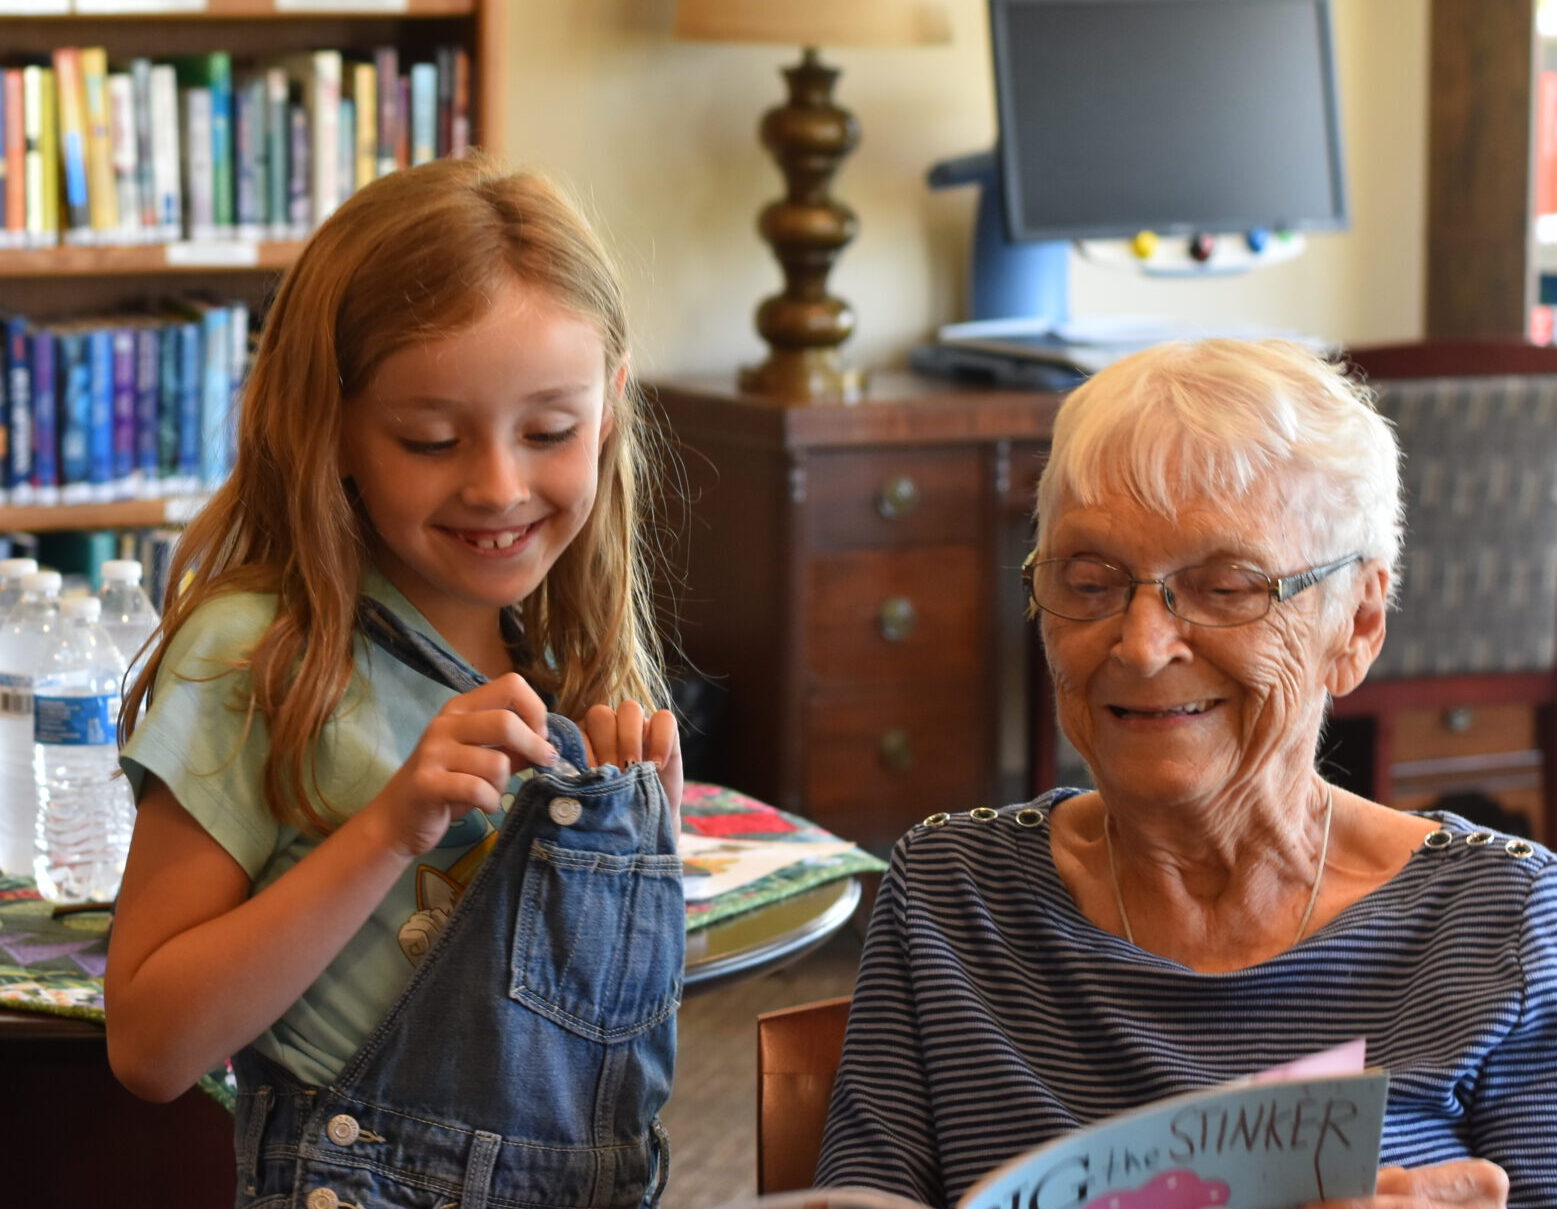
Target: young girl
column 434, row 986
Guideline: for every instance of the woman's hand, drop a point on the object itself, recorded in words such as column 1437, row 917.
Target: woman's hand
column 622, row 736
column 1462, row 1184
column 463, row 762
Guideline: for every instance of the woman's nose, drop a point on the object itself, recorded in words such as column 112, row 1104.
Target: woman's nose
column 1150, row 636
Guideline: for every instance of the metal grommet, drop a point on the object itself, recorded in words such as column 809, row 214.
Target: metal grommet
column 1479, row 839
column 983, row 814
column 1519, row 849
column 565, row 811
column 939, row 819
column 1438, row 839
column 342, row 1129
column 1030, row 816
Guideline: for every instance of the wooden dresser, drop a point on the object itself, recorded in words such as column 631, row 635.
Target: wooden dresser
column 851, row 583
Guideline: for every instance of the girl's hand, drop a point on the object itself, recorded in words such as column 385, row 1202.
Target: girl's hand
column 621, row 736
column 463, row 762
column 1462, row 1184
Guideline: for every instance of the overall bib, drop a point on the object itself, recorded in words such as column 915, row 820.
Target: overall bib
column 525, row 1063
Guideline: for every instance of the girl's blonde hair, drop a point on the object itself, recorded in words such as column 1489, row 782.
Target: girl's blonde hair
column 415, row 256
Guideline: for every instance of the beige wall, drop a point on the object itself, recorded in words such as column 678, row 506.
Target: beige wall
column 659, row 137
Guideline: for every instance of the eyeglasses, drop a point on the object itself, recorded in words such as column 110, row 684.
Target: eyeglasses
column 1216, row 594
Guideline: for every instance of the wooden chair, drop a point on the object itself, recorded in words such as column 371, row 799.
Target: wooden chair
column 798, row 1049
column 1476, row 631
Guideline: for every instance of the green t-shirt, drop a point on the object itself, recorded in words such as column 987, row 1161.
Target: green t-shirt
column 199, row 740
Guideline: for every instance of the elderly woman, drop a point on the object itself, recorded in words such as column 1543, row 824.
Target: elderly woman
column 1217, row 531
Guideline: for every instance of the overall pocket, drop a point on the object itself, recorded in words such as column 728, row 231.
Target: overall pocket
column 600, row 940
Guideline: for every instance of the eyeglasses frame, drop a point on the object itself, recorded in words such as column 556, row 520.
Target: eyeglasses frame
column 1282, row 588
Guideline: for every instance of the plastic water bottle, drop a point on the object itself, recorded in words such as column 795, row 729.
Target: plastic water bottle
column 85, row 812
column 129, row 617
column 27, row 631
column 11, row 572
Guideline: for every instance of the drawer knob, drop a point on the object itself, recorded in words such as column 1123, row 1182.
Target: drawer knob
column 897, row 751
column 1458, row 719
column 897, row 618
column 898, row 497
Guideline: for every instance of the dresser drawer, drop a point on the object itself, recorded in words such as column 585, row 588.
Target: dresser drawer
column 874, row 616
column 881, row 499
column 879, row 762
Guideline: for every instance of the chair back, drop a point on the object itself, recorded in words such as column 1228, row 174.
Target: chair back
column 798, row 1049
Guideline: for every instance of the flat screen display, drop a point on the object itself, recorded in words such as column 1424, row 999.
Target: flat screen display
column 1175, row 116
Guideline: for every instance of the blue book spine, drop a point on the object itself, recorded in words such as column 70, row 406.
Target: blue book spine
column 148, row 385
column 190, row 385
column 216, row 395
column 73, row 372
column 168, row 401
column 45, row 418
column 100, row 423
column 16, row 475
column 122, row 418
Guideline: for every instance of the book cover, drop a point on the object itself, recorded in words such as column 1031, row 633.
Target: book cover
column 45, row 429
column 121, row 476
column 251, row 154
column 73, row 392
column 148, row 367
column 126, row 154
column 1255, row 1144
column 714, row 865
column 100, row 413
column 71, row 100
column 102, row 197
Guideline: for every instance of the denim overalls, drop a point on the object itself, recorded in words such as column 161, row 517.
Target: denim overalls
column 527, row 1059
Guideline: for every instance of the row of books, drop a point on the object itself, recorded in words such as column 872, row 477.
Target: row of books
column 122, row 406
column 204, row 147
column 78, row 554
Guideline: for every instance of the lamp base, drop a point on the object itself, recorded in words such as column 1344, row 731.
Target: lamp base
column 798, row 377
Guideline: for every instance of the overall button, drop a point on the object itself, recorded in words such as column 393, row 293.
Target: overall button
column 343, row 1131
column 323, row 1198
column 565, row 811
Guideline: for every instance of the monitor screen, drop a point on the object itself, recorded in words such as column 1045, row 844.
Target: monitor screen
column 1174, row 116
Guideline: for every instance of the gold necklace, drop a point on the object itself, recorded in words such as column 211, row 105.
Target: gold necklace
column 1313, row 893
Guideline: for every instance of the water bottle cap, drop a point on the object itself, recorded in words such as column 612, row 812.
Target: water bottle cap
column 13, row 568
column 117, row 569
column 47, row 582
column 75, row 608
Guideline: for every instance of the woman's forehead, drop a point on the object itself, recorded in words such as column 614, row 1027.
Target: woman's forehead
column 1259, row 526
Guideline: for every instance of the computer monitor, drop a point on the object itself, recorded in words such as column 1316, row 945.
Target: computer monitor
column 1211, row 126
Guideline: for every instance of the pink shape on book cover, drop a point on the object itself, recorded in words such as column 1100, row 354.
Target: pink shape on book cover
column 1177, row 1189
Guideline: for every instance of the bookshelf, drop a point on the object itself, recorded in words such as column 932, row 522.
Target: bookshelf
column 1486, row 248
column 65, row 282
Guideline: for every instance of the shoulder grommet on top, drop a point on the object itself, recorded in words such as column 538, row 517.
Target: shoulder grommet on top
column 983, row 814
column 939, row 819
column 1441, row 838
column 1519, row 849
column 1030, row 816
column 1479, row 839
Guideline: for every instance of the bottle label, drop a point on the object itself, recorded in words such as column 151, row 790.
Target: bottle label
column 15, row 694
column 75, row 721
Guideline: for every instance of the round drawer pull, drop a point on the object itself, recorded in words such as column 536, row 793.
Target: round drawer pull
column 896, row 618
column 897, row 750
column 1458, row 719
column 898, row 497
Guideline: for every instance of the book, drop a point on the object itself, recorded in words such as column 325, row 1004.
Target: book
column 125, row 144
column 15, row 158
column 714, row 865
column 50, row 183
column 213, row 73
column 199, row 173
column 122, row 477
column 1276, row 1140
column 167, row 155
column 386, row 62
column 102, row 195
column 73, row 414
column 45, row 407
column 360, row 84
column 424, row 112
column 70, row 89
column 278, row 138
column 251, row 154
column 141, row 117
column 319, row 75
column 1545, row 151
column 16, row 360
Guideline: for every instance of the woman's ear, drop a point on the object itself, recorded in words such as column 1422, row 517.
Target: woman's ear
column 1363, row 638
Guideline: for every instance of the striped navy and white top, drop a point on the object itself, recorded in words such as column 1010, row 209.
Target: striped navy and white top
column 990, row 1015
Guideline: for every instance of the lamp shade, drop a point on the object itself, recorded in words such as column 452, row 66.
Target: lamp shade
column 814, row 22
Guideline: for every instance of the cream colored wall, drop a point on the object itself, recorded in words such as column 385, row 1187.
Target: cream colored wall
column 659, row 138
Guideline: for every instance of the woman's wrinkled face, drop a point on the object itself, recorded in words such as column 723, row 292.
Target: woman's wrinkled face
column 1164, row 708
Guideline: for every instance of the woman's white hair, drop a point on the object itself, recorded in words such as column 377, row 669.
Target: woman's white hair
column 1231, row 419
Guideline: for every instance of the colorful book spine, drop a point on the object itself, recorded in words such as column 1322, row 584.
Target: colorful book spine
column 346, row 149
column 15, row 158
column 100, row 416
column 191, row 380
column 277, row 168
column 126, row 155
column 102, row 196
column 199, row 171
column 73, row 377
column 44, row 419
column 250, row 155
column 77, row 211
column 363, row 87
column 386, row 66
column 169, row 366
column 146, row 180
column 18, row 417
column 122, row 476
column 215, row 394
column 148, row 364
column 319, row 73
column 424, row 112
column 167, row 156
column 300, row 171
